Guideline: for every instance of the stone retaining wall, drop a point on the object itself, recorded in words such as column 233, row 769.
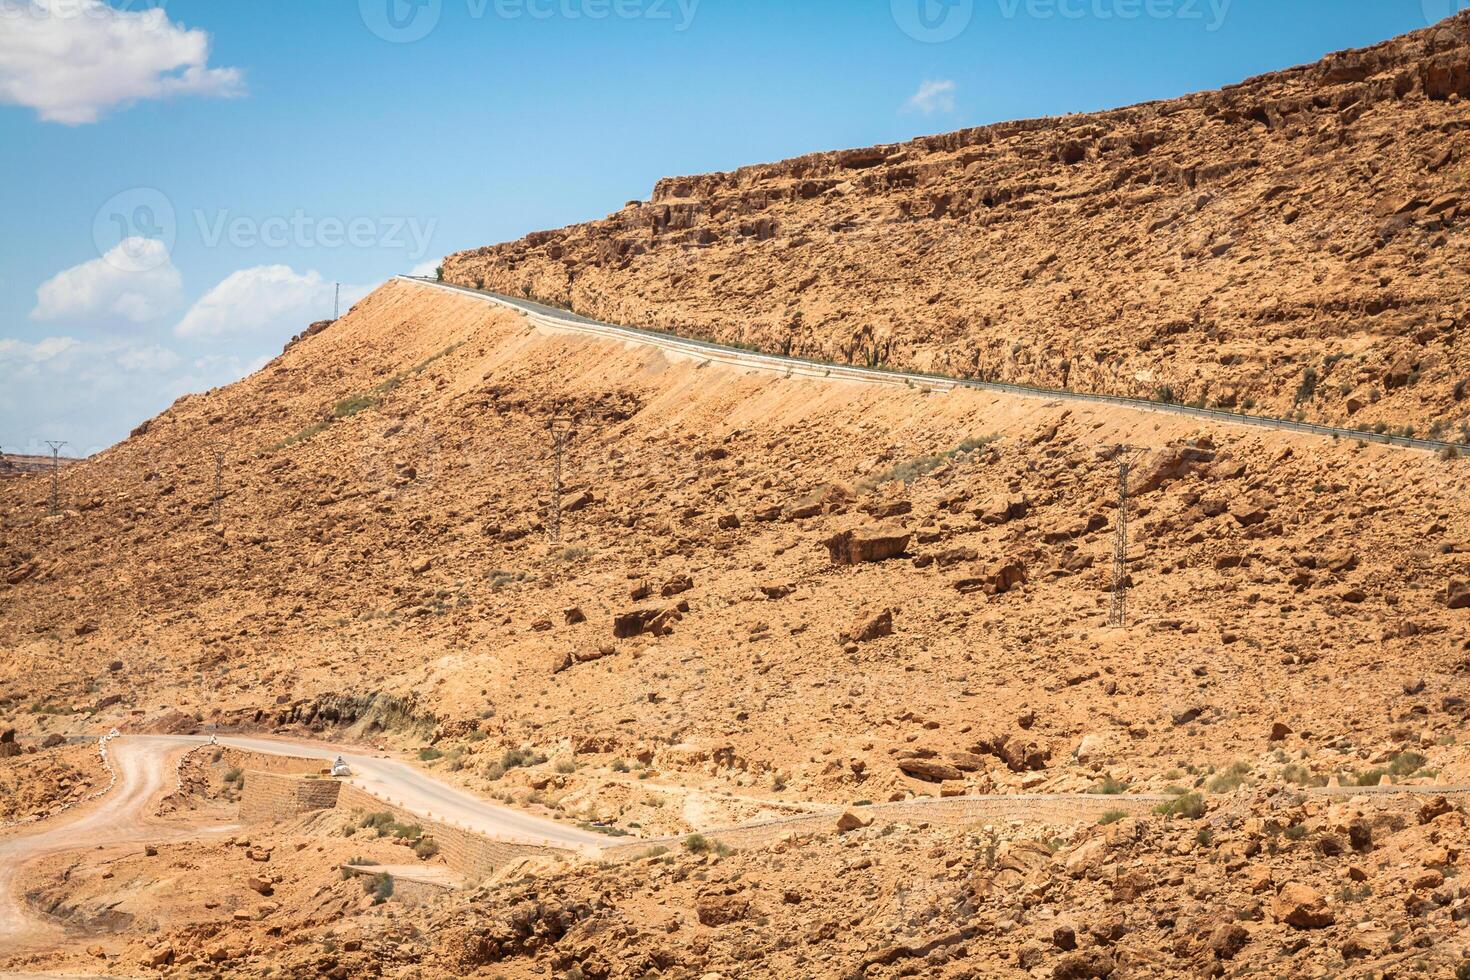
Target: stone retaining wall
column 269, row 797
column 267, row 762
column 472, row 855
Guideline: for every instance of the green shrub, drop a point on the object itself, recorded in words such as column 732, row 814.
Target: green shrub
column 1302, row 776
column 520, row 758
column 380, row 886
column 426, row 848
column 1109, row 786
column 1112, row 816
column 696, row 844
column 353, row 404
column 1231, row 779
column 429, row 754
column 1190, row 806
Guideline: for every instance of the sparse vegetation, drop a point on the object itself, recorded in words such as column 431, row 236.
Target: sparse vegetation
column 911, row 470
column 1230, row 779
column 1189, row 805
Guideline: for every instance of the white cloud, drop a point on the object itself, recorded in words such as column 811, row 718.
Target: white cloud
column 67, row 356
column 136, row 281
column 428, row 268
column 933, row 97
column 271, row 299
column 71, row 60
column 91, row 392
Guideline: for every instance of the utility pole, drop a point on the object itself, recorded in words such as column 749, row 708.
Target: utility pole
column 562, row 434
column 1119, row 615
column 219, row 487
column 56, row 448
column 337, row 304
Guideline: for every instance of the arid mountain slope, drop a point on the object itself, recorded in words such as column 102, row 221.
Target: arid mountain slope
column 1295, row 243
column 697, row 652
column 384, row 535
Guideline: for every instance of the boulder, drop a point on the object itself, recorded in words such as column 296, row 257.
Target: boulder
column 1249, row 511
column 1019, row 753
column 1302, row 907
column 854, row 547
column 929, row 770
column 999, row 578
column 853, row 820
column 868, row 627
column 999, row 510
column 1228, row 939
column 1457, row 595
column 719, row 910
column 1093, row 964
column 677, row 585
column 261, row 886
column 658, row 622
column 1166, row 465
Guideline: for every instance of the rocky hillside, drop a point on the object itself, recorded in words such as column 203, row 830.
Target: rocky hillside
column 1293, row 244
column 777, row 588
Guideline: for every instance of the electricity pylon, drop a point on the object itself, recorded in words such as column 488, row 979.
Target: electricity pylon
column 1119, row 615
column 56, row 448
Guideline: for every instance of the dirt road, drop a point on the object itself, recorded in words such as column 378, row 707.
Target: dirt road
column 146, row 770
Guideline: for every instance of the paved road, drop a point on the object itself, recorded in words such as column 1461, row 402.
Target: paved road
column 421, row 794
column 550, row 316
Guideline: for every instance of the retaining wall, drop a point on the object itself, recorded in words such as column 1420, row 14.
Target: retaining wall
column 472, row 855
column 267, row 762
column 269, row 797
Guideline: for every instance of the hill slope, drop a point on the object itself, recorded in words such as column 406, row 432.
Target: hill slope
column 1300, row 613
column 1293, row 243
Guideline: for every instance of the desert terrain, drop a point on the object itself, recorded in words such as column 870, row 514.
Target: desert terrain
column 828, row 664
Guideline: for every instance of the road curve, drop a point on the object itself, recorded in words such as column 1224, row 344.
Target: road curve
column 144, row 771
column 145, row 767
column 419, row 793
column 550, row 316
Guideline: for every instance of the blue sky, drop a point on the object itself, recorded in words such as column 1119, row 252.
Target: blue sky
column 183, row 187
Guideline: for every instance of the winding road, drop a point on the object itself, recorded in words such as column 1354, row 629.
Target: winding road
column 145, row 771
column 557, row 319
